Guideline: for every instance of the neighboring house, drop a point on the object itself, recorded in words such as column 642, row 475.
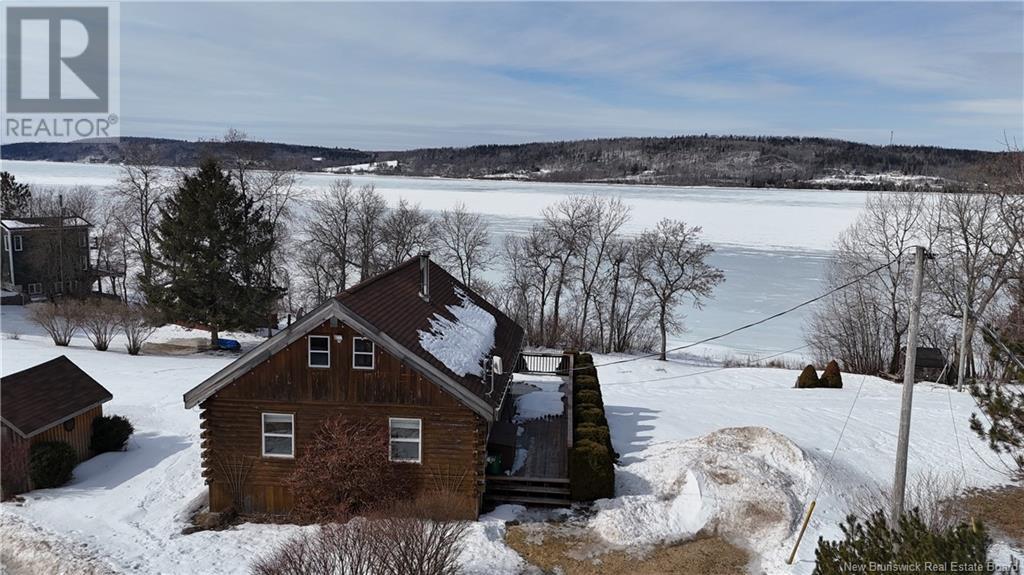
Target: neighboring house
column 53, row 401
column 46, row 256
column 410, row 350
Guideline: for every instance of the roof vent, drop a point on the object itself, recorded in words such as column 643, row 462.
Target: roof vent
column 425, row 275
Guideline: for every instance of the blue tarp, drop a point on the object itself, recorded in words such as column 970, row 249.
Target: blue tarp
column 229, row 344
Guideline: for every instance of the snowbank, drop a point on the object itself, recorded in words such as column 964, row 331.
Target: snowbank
column 464, row 343
column 748, row 483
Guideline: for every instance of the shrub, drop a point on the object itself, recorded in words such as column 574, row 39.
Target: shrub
column 599, row 434
column 911, row 543
column 589, row 413
column 138, row 323
column 591, row 471
column 100, row 322
column 407, row 538
column 51, row 464
column 587, row 370
column 60, row 320
column 832, row 377
column 808, row 378
column 589, row 396
column 584, row 359
column 343, row 470
column 583, row 382
column 110, row 433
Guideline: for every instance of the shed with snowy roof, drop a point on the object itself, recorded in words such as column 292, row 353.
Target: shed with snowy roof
column 412, row 350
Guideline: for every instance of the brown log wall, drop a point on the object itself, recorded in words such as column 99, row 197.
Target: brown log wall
column 453, row 436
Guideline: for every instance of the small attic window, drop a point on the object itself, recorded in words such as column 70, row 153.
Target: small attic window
column 319, row 351
column 69, row 425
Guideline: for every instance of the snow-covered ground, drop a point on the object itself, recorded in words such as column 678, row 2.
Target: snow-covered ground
column 739, row 449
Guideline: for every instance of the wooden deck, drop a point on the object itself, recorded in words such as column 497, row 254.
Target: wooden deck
column 545, row 444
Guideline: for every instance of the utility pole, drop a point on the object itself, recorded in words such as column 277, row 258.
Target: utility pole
column 899, row 485
column 961, row 365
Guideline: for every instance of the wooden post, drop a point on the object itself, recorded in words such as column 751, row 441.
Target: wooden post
column 903, row 444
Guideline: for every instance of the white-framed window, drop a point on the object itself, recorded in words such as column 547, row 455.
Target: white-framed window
column 35, row 289
column 319, row 350
column 406, row 439
column 362, row 353
column 17, row 243
column 278, row 435
column 7, row 243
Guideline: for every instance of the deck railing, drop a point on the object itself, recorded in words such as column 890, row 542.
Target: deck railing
column 551, row 363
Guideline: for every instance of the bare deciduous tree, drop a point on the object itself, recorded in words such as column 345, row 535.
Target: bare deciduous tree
column 464, row 242
column 405, row 232
column 140, row 190
column 672, row 261
column 370, row 212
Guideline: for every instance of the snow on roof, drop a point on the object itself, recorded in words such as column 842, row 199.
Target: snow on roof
column 18, row 224
column 462, row 344
column 14, row 224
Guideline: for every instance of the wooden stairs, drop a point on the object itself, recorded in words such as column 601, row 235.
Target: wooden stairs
column 532, row 491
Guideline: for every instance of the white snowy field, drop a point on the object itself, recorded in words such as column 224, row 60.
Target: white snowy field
column 772, row 244
column 682, row 468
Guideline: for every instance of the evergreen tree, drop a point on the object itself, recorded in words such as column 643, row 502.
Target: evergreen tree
column 832, row 377
column 214, row 245
column 14, row 196
column 808, row 378
column 1003, row 405
column 910, row 545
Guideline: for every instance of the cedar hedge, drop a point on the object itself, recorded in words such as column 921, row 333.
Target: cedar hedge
column 591, row 396
column 599, row 434
column 591, row 472
column 51, row 463
column 587, row 382
column 588, row 413
column 592, row 458
column 110, row 433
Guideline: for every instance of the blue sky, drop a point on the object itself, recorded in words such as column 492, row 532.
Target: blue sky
column 398, row 76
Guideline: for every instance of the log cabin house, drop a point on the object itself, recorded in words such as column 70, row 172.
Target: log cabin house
column 53, row 401
column 412, row 349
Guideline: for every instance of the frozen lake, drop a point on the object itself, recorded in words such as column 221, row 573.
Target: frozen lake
column 772, row 244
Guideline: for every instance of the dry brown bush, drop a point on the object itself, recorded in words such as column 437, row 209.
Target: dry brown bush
column 408, row 538
column 346, row 471
column 60, row 320
column 138, row 323
column 99, row 321
column 936, row 496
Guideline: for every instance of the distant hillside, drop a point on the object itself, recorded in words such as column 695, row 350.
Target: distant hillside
column 684, row 160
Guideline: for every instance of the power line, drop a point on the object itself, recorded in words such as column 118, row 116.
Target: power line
column 760, row 321
column 706, row 371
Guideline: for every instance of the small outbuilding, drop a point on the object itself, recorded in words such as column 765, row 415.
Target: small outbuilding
column 53, row 401
column 930, row 363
